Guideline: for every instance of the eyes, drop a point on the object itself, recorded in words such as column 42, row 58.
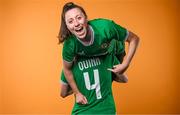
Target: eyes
column 70, row 22
column 78, row 18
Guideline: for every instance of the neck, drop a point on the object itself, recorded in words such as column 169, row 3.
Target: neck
column 88, row 35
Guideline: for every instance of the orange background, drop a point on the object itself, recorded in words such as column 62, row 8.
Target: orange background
column 30, row 59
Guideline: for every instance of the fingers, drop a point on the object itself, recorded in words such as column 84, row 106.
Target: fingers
column 115, row 66
column 112, row 70
column 81, row 99
column 84, row 101
column 119, row 68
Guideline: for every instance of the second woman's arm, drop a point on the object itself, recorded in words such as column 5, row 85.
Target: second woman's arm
column 80, row 98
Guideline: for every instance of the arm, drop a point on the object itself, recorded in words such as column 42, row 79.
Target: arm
column 69, row 77
column 133, row 41
column 65, row 90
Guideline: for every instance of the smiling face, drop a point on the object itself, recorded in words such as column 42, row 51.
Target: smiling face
column 76, row 22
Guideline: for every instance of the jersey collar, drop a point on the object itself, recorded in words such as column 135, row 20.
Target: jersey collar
column 92, row 38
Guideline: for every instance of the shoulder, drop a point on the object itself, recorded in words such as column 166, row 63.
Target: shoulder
column 102, row 25
column 69, row 44
column 104, row 20
column 69, row 49
column 69, row 41
column 100, row 22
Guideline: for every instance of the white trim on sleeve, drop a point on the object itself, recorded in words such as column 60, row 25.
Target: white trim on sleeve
column 64, row 83
column 69, row 61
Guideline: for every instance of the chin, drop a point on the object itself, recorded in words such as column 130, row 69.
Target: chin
column 81, row 37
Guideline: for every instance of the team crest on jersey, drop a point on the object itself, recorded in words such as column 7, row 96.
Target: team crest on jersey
column 104, row 45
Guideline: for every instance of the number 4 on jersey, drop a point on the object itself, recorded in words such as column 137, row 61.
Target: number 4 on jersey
column 96, row 85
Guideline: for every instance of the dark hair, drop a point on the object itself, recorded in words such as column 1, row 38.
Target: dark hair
column 64, row 33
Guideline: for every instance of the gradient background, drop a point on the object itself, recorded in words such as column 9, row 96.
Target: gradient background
column 30, row 58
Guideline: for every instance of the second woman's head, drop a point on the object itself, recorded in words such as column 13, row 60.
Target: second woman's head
column 73, row 21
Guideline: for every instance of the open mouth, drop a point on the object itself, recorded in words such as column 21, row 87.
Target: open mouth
column 79, row 29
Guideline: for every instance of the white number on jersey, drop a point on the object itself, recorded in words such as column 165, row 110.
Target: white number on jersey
column 96, row 85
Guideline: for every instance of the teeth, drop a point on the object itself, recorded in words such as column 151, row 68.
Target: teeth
column 78, row 29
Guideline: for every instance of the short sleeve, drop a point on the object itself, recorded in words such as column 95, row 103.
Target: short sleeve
column 68, row 52
column 120, row 33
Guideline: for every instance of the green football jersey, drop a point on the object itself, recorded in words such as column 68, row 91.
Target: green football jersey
column 103, row 31
column 95, row 82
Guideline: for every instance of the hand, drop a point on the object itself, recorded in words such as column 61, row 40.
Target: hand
column 120, row 68
column 80, row 99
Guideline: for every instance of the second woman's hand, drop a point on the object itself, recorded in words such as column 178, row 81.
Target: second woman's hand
column 80, row 98
column 120, row 68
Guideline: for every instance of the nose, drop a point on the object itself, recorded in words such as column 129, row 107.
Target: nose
column 76, row 23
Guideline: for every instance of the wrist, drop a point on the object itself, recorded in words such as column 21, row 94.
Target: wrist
column 76, row 92
column 126, row 63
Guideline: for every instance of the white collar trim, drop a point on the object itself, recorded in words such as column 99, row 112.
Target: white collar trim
column 92, row 38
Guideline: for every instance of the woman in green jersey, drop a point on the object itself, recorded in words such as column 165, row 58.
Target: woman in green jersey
column 94, row 81
column 83, row 37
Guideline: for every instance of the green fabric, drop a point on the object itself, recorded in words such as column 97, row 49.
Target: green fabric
column 99, row 94
column 104, row 32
